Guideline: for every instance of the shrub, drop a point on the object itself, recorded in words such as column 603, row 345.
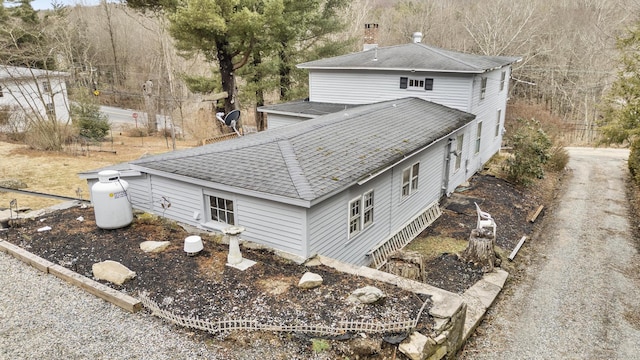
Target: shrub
column 559, row 158
column 531, row 150
column 634, row 160
column 89, row 121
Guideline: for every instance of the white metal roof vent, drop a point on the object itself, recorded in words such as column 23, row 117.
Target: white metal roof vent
column 417, row 37
column 193, row 245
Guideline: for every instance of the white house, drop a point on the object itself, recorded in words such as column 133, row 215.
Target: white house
column 359, row 171
column 29, row 93
column 473, row 83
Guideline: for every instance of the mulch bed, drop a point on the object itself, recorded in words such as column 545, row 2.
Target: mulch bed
column 202, row 286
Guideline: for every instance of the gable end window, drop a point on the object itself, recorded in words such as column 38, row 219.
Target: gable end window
column 410, row 179
column 221, row 210
column 360, row 213
column 416, row 83
column 483, row 88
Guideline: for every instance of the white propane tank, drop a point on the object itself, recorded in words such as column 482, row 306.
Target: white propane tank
column 110, row 201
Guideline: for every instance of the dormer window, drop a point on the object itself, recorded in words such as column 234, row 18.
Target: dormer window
column 412, row 83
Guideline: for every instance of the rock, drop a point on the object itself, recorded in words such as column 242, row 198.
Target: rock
column 366, row 295
column 417, row 346
column 310, row 280
column 154, row 246
column 112, row 271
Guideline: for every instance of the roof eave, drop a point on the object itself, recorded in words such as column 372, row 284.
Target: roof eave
column 223, row 187
column 479, row 71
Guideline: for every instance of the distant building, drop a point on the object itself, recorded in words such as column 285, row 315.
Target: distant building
column 33, row 94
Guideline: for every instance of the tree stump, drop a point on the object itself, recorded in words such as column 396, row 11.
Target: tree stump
column 408, row 264
column 480, row 250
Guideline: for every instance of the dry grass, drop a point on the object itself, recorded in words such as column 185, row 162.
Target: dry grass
column 57, row 172
column 433, row 246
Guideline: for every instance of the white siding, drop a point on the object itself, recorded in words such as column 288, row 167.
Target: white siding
column 457, row 177
column 328, row 223
column 277, row 225
column 486, row 110
column 429, row 184
column 277, row 120
column 28, row 95
column 366, row 87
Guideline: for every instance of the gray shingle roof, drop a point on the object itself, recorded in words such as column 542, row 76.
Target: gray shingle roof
column 304, row 108
column 412, row 56
column 316, row 157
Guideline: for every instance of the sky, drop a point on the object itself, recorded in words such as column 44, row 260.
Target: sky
column 46, row 4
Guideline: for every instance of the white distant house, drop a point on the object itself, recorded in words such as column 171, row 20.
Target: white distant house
column 360, row 168
column 33, row 94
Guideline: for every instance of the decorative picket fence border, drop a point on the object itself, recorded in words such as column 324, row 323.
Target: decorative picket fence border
column 344, row 326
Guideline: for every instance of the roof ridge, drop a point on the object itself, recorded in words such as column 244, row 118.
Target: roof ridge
column 298, row 178
column 442, row 52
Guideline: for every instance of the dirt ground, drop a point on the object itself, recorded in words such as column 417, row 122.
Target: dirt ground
column 267, row 291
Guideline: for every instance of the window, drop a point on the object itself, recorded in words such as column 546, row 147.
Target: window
column 478, row 137
column 360, row 213
column 1, row 92
column 50, row 109
column 483, row 88
column 459, row 143
column 221, row 210
column 498, row 123
column 416, row 83
column 410, row 179
column 503, row 78
column 46, row 87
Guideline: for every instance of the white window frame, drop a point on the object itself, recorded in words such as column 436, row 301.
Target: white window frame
column 46, row 86
column 483, row 88
column 416, row 83
column 498, row 123
column 478, row 137
column 459, row 146
column 216, row 222
column 410, row 177
column 503, row 79
column 360, row 214
column 1, row 91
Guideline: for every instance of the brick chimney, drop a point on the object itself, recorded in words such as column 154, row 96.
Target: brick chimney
column 370, row 36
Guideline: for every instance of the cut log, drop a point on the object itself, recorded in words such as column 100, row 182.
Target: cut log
column 408, row 264
column 480, row 250
column 536, row 214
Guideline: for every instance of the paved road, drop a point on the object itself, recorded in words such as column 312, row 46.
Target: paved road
column 580, row 297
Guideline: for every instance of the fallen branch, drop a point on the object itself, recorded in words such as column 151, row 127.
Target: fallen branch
column 515, row 250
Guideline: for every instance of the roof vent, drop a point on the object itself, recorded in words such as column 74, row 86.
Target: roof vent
column 417, row 37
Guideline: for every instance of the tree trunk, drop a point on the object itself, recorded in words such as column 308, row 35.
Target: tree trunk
column 225, row 61
column 480, row 250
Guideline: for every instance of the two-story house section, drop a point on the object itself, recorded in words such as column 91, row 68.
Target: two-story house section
column 37, row 93
column 475, row 84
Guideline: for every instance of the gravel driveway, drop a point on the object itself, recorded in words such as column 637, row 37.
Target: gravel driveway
column 579, row 297
column 42, row 317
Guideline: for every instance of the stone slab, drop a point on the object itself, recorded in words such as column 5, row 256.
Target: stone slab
column 243, row 265
column 104, row 292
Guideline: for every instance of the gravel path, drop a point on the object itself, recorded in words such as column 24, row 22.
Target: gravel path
column 43, row 317
column 579, row 298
